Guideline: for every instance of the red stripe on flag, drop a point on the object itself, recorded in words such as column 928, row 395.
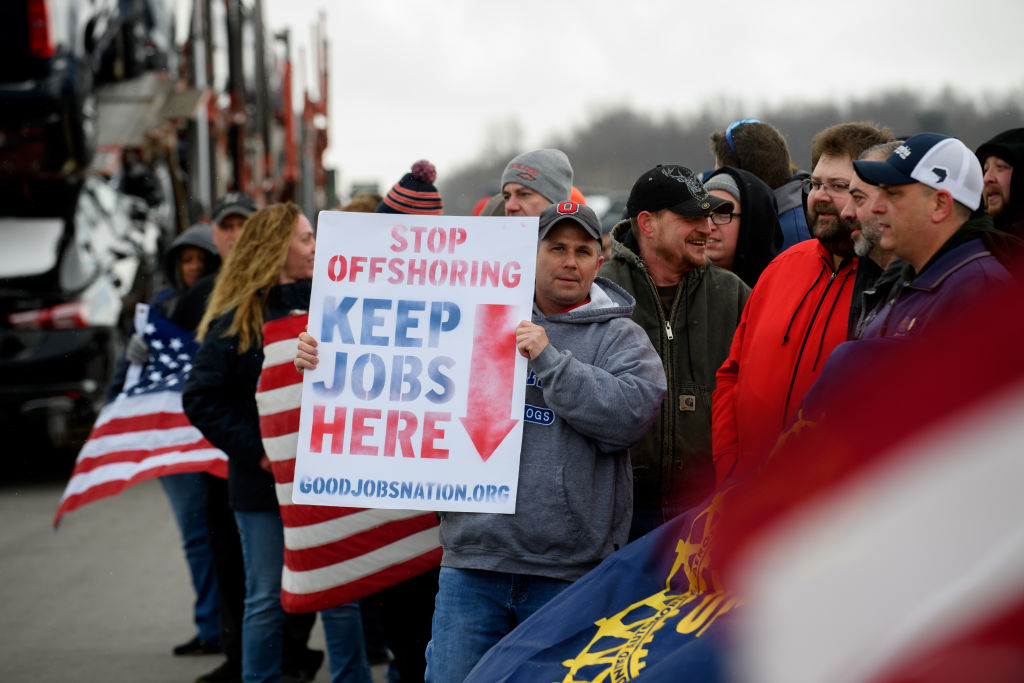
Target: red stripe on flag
column 278, row 376
column 281, row 329
column 139, row 423
column 283, row 470
column 279, row 424
column 361, row 587
column 138, row 455
column 294, row 515
column 994, row 651
column 353, row 546
column 72, row 502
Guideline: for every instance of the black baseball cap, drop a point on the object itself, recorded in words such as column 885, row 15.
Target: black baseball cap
column 234, row 203
column 580, row 214
column 673, row 187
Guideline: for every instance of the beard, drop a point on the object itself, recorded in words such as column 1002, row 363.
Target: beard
column 997, row 205
column 680, row 261
column 867, row 240
column 834, row 235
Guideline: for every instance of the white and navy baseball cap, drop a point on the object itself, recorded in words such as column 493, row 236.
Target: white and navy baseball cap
column 938, row 161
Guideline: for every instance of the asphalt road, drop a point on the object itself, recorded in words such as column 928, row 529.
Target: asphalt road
column 104, row 598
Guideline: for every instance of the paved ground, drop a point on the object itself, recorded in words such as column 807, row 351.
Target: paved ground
column 104, row 598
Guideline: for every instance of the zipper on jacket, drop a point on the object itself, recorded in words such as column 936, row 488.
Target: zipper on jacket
column 657, row 298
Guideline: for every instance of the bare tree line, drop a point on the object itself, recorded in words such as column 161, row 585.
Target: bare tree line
column 618, row 144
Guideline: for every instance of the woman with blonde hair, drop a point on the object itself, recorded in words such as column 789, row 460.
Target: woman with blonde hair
column 266, row 276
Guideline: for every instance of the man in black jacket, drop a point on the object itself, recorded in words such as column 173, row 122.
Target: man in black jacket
column 998, row 158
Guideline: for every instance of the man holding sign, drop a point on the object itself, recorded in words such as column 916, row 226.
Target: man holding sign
column 594, row 387
column 595, row 383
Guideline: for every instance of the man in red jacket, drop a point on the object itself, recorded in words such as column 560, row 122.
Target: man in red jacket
column 796, row 314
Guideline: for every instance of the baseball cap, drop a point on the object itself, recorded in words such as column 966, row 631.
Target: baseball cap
column 580, row 214
column 232, row 203
column 938, row 161
column 674, row 187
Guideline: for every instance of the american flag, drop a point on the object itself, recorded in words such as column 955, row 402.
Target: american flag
column 332, row 555
column 881, row 542
column 143, row 433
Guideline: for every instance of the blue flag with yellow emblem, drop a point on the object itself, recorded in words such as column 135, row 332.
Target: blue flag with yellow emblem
column 650, row 612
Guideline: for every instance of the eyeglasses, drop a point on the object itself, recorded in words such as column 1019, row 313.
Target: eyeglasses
column 723, row 218
column 831, row 188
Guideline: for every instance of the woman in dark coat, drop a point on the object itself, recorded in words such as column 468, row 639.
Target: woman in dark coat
column 266, row 276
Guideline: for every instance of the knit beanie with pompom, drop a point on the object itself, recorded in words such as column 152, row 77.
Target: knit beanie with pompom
column 414, row 193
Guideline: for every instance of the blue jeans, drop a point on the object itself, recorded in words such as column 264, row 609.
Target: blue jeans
column 262, row 536
column 346, row 649
column 187, row 495
column 474, row 609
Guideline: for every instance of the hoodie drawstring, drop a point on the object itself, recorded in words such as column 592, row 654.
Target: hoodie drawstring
column 826, row 268
column 828, row 319
column 785, row 335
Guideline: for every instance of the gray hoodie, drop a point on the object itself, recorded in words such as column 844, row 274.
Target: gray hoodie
column 598, row 385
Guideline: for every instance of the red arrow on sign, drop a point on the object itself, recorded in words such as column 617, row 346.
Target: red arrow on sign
column 491, row 373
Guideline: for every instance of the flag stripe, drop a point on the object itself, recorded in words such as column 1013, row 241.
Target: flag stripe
column 332, row 554
column 341, row 523
column 301, row 523
column 891, row 513
column 163, row 420
column 141, row 455
column 323, row 578
column 975, row 554
column 281, row 332
column 97, row 446
column 277, row 376
column 353, row 546
column 295, row 600
column 112, row 479
column 280, row 424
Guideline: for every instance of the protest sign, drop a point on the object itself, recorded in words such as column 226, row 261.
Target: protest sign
column 418, row 398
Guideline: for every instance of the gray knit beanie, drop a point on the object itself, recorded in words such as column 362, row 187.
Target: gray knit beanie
column 724, row 182
column 545, row 171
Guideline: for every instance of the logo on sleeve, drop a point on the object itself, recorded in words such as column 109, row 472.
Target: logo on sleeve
column 538, row 415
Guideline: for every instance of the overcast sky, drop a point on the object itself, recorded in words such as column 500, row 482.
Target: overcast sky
column 431, row 79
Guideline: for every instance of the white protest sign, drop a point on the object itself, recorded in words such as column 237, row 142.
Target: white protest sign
column 417, row 401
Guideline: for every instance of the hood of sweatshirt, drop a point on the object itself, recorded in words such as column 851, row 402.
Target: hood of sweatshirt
column 760, row 236
column 1008, row 146
column 200, row 236
column 607, row 300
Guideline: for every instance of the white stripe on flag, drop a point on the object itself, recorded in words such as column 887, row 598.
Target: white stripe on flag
column 148, row 439
column 280, row 353
column 122, row 471
column 329, row 531
column 281, row 448
column 279, row 400
column 950, row 502
column 134, row 406
column 364, row 565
